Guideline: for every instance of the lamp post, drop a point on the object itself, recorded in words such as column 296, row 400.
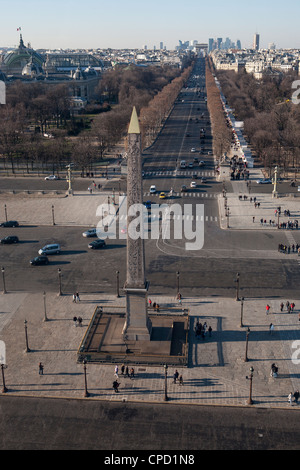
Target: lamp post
column 3, row 279
column 166, row 398
column 237, row 280
column 86, row 393
column 247, row 339
column 227, row 215
column 250, row 401
column 53, row 220
column 178, row 275
column 117, row 274
column 4, row 389
column 26, row 336
column 5, row 211
column 59, row 281
column 45, row 311
column 242, row 311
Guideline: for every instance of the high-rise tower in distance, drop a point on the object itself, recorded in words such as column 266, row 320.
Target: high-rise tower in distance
column 256, row 42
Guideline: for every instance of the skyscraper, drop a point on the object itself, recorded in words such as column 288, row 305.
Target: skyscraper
column 256, row 42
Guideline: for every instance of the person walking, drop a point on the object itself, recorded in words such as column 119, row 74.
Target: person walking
column 271, row 328
column 296, row 396
column 117, row 371
column 74, row 298
column 281, row 306
column 132, row 373
column 180, row 380
column 122, row 369
column 268, row 309
column 41, row 369
column 116, row 386
column 290, row 398
column 126, row 372
column 77, row 297
column 175, row 376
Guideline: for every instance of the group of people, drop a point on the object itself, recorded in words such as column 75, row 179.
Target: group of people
column 289, row 225
column 290, row 306
column 202, row 330
column 178, row 377
column 76, row 297
column 294, row 395
column 155, row 306
column 125, row 372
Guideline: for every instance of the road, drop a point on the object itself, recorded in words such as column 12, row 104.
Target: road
column 58, row 424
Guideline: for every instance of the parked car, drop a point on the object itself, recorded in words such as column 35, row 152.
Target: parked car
column 39, row 260
column 53, row 249
column 152, row 189
column 264, row 181
column 51, row 177
column 96, row 244
column 193, row 184
column 91, row 232
column 10, row 223
column 203, row 180
column 9, row 240
column 183, row 188
column 191, row 165
column 193, row 150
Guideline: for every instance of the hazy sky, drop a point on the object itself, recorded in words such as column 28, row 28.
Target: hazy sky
column 132, row 23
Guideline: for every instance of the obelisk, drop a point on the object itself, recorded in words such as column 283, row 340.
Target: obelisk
column 137, row 325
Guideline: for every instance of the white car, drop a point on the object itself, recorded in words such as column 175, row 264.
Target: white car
column 193, row 150
column 92, row 232
column 193, row 184
column 51, row 177
column 153, row 189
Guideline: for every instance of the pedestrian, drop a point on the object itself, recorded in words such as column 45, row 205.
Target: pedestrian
column 180, row 380
column 132, row 373
column 281, row 306
column 253, row 219
column 77, row 297
column 296, row 396
column 122, row 369
column 79, row 320
column 175, row 376
column 150, row 302
column 75, row 320
column 74, row 298
column 116, row 386
column 126, row 372
column 290, row 398
column 117, row 371
column 268, row 309
column 209, row 330
column 41, row 369
column 292, row 306
column 271, row 328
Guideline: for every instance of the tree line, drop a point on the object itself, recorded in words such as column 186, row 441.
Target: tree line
column 271, row 120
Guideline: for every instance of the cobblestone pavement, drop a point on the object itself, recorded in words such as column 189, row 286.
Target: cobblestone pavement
column 217, row 369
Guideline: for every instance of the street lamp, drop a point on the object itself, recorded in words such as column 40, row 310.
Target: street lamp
column 4, row 389
column 26, row 336
column 250, row 401
column 166, row 398
column 45, row 312
column 178, row 275
column 247, row 339
column 59, row 281
column 117, row 273
column 237, row 280
column 242, row 310
column 86, row 393
column 5, row 211
column 227, row 215
column 3, row 279
column 53, row 221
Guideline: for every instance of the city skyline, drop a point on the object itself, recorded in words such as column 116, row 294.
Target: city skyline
column 131, row 24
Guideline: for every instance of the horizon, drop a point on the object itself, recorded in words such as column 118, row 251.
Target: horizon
column 123, row 26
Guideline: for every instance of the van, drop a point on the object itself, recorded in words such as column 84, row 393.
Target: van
column 182, row 164
column 50, row 249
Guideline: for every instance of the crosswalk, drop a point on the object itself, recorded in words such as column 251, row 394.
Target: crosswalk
column 189, row 193
column 174, row 173
column 205, row 218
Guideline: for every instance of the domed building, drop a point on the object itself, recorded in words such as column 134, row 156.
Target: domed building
column 14, row 62
column 32, row 70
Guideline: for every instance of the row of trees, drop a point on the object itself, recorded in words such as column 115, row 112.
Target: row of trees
column 221, row 132
column 271, row 120
column 35, row 107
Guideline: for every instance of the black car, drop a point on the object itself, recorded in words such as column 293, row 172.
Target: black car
column 10, row 223
column 39, row 260
column 97, row 244
column 9, row 240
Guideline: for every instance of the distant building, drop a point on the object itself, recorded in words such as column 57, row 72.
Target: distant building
column 256, row 42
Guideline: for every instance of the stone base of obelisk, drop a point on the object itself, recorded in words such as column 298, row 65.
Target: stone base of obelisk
column 138, row 325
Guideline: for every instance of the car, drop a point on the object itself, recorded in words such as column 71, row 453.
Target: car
column 196, row 160
column 96, row 244
column 9, row 240
column 91, row 232
column 201, row 163
column 193, row 184
column 264, row 181
column 152, row 189
column 10, row 223
column 162, row 195
column 203, row 180
column 183, row 188
column 193, row 150
column 51, row 177
column 53, row 249
column 39, row 260
column 147, row 204
column 195, row 176
column 191, row 165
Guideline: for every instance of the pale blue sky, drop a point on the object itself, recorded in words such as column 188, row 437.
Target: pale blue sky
column 133, row 23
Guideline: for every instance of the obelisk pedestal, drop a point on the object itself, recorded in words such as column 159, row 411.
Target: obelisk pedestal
column 137, row 326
